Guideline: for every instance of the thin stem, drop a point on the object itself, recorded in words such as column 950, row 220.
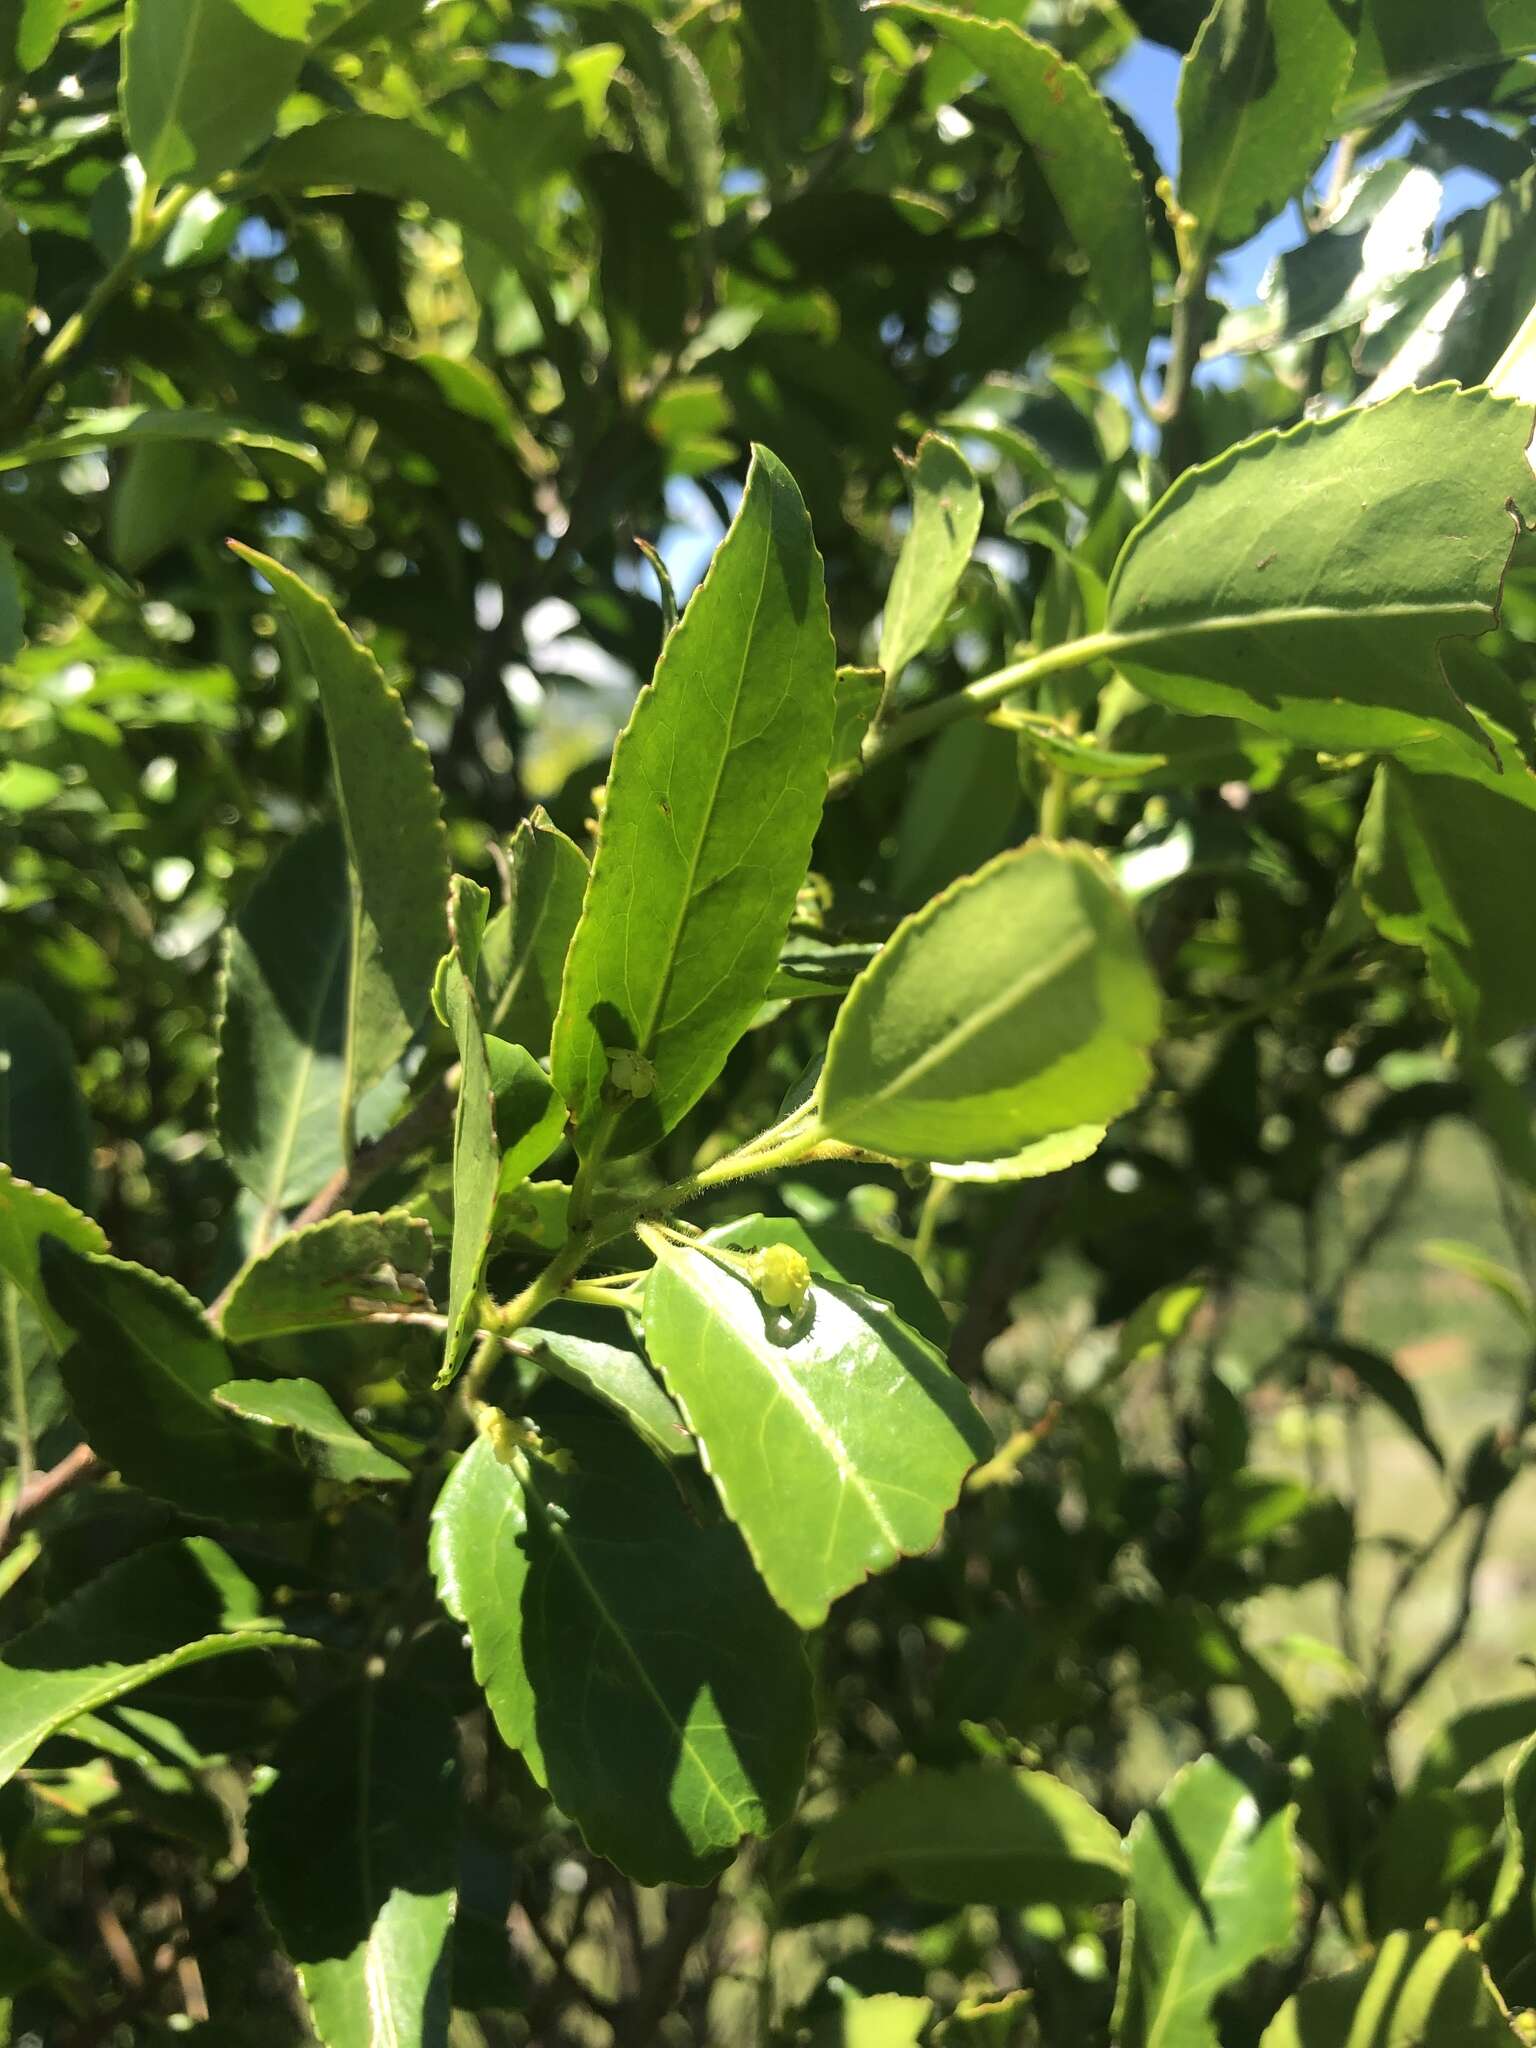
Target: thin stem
column 1189, row 314
column 979, row 697
column 16, row 1381
column 149, row 223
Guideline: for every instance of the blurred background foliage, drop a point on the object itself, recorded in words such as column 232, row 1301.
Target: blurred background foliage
column 504, row 292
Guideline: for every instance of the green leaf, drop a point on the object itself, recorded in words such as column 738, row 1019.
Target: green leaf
column 1046, row 1155
column 1016, row 1005
column 141, row 1380
column 123, row 426
column 282, row 1027
column 1256, row 96
column 1405, row 45
column 946, row 518
column 1082, row 157
column 529, row 1114
column 1382, row 1379
column 523, row 954
column 45, row 1134
column 397, row 849
column 172, row 1605
column 713, row 797
column 1213, row 1884
column 567, row 1341
column 364, row 1904
column 372, row 153
column 27, row 1216
column 202, row 83
column 1365, row 262
column 630, row 1653
column 1508, row 1938
column 837, row 1443
column 330, row 1274
column 476, row 1153
column 1473, row 1736
column 1303, row 580
column 325, row 1440
column 859, row 691
column 1428, row 845
column 1420, row 1990
column 978, row 1836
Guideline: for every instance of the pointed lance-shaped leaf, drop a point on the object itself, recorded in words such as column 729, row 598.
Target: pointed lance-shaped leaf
column 946, row 518
column 202, row 81
column 397, row 856
column 714, row 794
column 1082, row 155
column 141, row 1379
column 1256, row 98
column 162, row 1609
column 476, row 1151
column 522, row 956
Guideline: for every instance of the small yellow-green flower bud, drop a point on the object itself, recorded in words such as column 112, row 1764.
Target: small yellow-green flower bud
column 630, row 1074
column 781, row 1276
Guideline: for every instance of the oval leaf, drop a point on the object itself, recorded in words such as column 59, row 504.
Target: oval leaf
column 330, row 1274
column 629, row 1653
column 979, row 1836
column 364, row 1904
column 1213, row 1888
column 1303, row 580
column 946, row 518
column 1016, row 1005
column 837, row 1444
column 1256, row 96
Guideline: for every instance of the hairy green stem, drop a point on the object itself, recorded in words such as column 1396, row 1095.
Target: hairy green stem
column 982, row 696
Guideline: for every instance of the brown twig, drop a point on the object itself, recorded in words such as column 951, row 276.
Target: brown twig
column 662, row 1967
column 77, row 1469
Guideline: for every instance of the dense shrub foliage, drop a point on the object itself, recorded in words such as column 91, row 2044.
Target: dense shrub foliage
column 706, row 1310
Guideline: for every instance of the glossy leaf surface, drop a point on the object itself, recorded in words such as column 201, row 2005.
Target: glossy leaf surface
column 837, row 1441
column 397, row 859
column 282, row 1033
column 713, row 796
column 364, row 1905
column 168, row 1607
column 330, row 1274
column 1082, row 156
column 946, row 518
column 27, row 1216
column 1403, row 45
column 202, row 83
column 326, row 1441
column 1303, row 580
column 974, row 1836
column 1256, row 97
column 1419, row 1991
column 141, row 1378
column 523, row 954
column 1016, row 1005
column 629, row 1653
column 1213, row 1884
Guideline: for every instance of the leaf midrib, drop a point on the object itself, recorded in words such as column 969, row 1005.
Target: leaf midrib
column 1174, row 1998
column 557, row 1536
column 978, row 1021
